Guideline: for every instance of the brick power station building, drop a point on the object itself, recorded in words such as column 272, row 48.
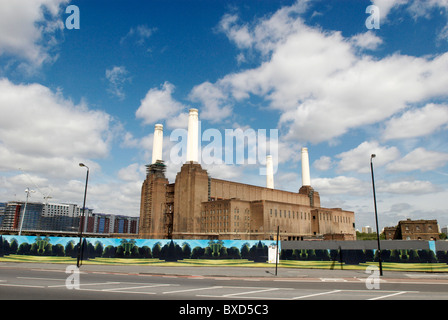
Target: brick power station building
column 197, row 206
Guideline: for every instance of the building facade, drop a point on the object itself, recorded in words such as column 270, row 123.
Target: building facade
column 198, row 206
column 413, row 230
column 62, row 218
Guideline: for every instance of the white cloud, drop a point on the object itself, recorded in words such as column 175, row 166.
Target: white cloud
column 319, row 83
column 340, row 185
column 367, row 40
column 323, row 163
column 138, row 34
column 358, row 159
column 416, row 9
column 419, row 159
column 415, row 187
column 386, row 6
column 267, row 32
column 159, row 105
column 213, row 102
column 28, row 29
column 117, row 77
column 417, row 122
column 43, row 138
column 41, row 131
column 133, row 172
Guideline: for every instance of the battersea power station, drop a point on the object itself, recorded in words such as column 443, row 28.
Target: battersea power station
column 198, row 206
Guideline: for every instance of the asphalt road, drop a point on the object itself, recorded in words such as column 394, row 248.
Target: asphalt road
column 56, row 282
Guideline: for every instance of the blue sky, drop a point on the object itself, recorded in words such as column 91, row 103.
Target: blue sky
column 310, row 69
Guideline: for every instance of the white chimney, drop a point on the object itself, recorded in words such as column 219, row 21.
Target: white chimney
column 305, row 168
column 192, row 139
column 157, row 143
column 269, row 172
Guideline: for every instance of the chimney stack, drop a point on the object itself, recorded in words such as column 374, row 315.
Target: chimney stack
column 306, row 181
column 192, row 139
column 269, row 172
column 157, row 143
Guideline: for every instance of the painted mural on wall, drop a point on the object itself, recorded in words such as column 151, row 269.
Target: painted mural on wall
column 177, row 250
column 355, row 257
column 168, row 250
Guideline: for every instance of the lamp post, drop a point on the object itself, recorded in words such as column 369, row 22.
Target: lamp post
column 376, row 215
column 27, row 190
column 81, row 222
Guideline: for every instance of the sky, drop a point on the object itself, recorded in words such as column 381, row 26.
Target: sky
column 86, row 81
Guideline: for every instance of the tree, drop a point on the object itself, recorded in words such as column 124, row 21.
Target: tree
column 58, row 250
column 312, row 255
column 109, row 252
column 171, row 252
column 223, row 254
column 395, row 255
column 119, row 252
column 186, row 250
column 98, row 250
column 413, row 256
column 197, row 253
column 369, row 254
column 1, row 246
column 260, row 252
column 13, row 246
column 145, row 252
column 322, row 255
column 156, row 250
column 208, row 253
column 233, row 253
column 70, row 249
column 245, row 251
column 24, row 248
column 442, row 256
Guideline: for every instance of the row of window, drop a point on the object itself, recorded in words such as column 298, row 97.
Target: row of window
column 326, row 216
column 213, row 215
column 284, row 214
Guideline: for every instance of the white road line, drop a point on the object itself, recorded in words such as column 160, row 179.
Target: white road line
column 136, row 287
column 316, row 294
column 188, row 290
column 85, row 284
column 118, row 291
column 248, row 292
column 50, row 279
column 333, row 280
column 387, row 296
column 20, row 285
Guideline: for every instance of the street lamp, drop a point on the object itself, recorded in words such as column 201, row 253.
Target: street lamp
column 376, row 215
column 81, row 222
column 27, row 190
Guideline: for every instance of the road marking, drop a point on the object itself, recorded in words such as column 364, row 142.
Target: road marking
column 136, row 287
column 20, row 285
column 32, row 278
column 388, row 295
column 117, row 291
column 84, row 284
column 316, row 294
column 188, row 290
column 333, row 279
column 248, row 292
column 437, row 275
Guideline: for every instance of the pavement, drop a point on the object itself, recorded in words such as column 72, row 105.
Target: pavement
column 229, row 272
